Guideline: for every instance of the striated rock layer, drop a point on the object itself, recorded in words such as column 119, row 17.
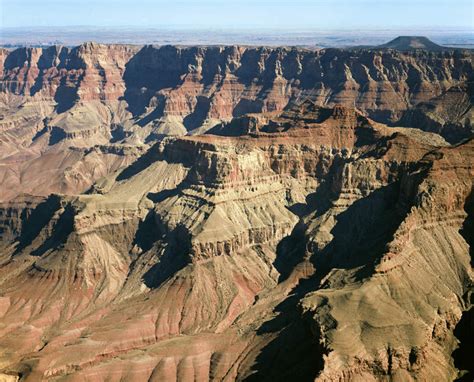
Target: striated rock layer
column 450, row 114
column 218, row 83
column 55, row 100
column 63, row 110
column 308, row 244
column 195, row 84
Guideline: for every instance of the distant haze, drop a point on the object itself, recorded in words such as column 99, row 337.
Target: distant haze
column 238, row 14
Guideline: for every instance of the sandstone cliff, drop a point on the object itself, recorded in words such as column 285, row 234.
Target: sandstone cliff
column 312, row 243
column 60, row 108
column 186, row 87
column 449, row 114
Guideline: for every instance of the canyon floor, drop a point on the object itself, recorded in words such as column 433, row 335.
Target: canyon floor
column 236, row 213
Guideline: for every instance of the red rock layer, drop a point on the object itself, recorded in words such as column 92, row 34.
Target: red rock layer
column 211, row 254
column 221, row 82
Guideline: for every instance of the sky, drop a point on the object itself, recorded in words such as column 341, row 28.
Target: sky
column 240, row 14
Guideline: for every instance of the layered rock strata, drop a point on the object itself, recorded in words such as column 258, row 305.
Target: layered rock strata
column 315, row 230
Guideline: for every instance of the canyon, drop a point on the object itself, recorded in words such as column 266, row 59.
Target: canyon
column 236, row 213
column 58, row 103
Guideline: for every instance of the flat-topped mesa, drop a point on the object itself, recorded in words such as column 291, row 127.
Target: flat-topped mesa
column 340, row 116
column 411, row 43
column 341, row 112
column 214, row 159
column 307, row 123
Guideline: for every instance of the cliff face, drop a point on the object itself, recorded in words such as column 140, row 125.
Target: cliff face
column 200, row 83
column 449, row 114
column 312, row 231
column 88, row 72
column 300, row 238
column 59, row 101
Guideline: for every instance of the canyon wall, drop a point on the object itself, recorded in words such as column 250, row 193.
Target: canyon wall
column 63, row 102
column 235, row 213
column 295, row 250
column 191, row 85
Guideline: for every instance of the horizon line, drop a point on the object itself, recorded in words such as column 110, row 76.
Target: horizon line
column 465, row 28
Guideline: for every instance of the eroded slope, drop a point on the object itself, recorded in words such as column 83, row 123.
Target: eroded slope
column 317, row 245
column 58, row 103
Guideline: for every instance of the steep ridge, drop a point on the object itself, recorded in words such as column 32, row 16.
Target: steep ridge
column 88, row 72
column 398, row 319
column 57, row 99
column 449, row 114
column 187, row 87
column 209, row 253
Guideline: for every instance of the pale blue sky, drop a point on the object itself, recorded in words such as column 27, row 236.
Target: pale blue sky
column 238, row 14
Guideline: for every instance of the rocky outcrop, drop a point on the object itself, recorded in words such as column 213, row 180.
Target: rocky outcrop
column 57, row 98
column 197, row 85
column 370, row 298
column 316, row 230
column 449, row 114
column 88, row 72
